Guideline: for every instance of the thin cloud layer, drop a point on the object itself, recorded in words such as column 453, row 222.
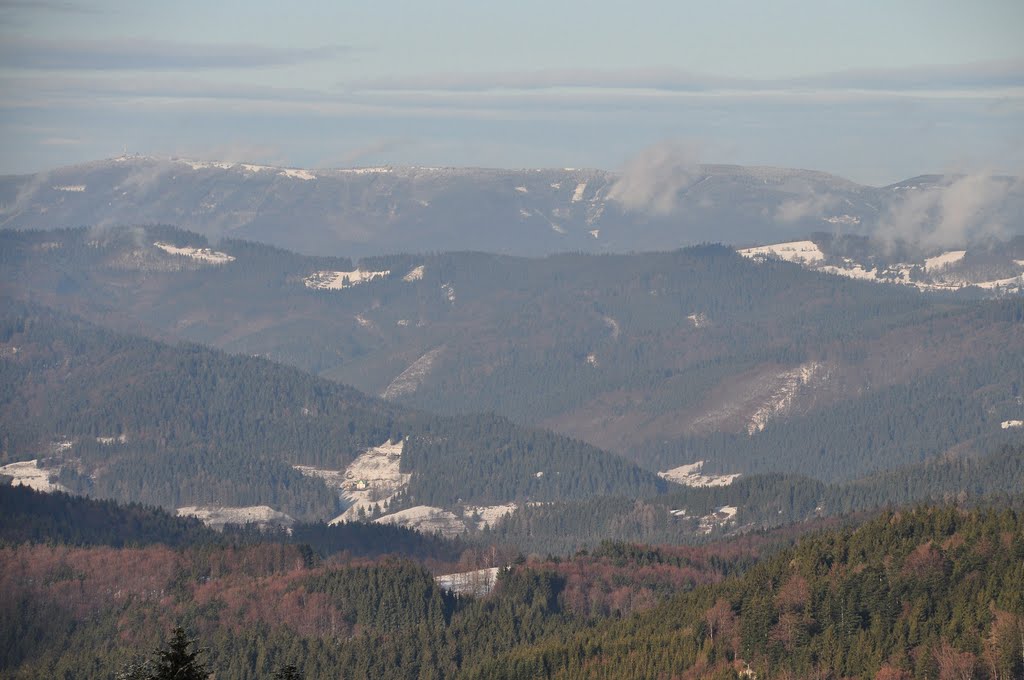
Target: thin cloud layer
column 989, row 74
column 150, row 55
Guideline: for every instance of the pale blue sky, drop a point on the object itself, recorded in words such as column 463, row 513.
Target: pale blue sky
column 874, row 91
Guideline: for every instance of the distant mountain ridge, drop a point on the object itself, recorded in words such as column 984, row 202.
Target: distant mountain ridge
column 369, row 211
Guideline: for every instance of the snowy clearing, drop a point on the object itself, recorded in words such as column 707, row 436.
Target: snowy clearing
column 794, row 251
column 202, row 254
column 372, row 478
column 699, row 319
column 489, row 514
column 426, row 519
column 1007, row 424
column 522, row 190
column 577, row 195
column 944, row 260
column 216, row 516
column 690, row 475
column 28, row 473
column 74, row 188
column 476, row 583
column 409, row 380
column 720, row 517
column 326, row 280
column 596, row 233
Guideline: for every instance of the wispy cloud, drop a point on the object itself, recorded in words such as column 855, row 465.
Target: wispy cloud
column 960, row 210
column 653, row 180
column 150, row 55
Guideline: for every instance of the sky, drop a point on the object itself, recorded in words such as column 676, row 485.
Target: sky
column 875, row 91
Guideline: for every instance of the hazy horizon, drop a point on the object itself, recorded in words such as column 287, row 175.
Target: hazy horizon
column 873, row 93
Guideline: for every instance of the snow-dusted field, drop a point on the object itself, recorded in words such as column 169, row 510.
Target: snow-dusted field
column 477, row 583
column 27, row 473
column 690, row 475
column 202, row 254
column 1007, row 424
column 216, row 516
column 943, row 260
column 327, row 280
column 806, row 252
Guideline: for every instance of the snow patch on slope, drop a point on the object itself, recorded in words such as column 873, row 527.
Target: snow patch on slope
column 415, row 274
column 788, row 386
column 449, row 292
column 690, row 475
column 201, row 254
column 1007, row 424
column 719, row 518
column 577, row 195
column 409, row 380
column 426, row 519
column 73, row 188
column 216, row 516
column 613, row 326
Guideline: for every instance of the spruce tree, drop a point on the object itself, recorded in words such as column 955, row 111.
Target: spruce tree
column 180, row 660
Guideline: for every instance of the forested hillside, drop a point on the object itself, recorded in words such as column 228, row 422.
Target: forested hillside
column 667, row 358
column 687, row 514
column 932, row 592
column 136, row 420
